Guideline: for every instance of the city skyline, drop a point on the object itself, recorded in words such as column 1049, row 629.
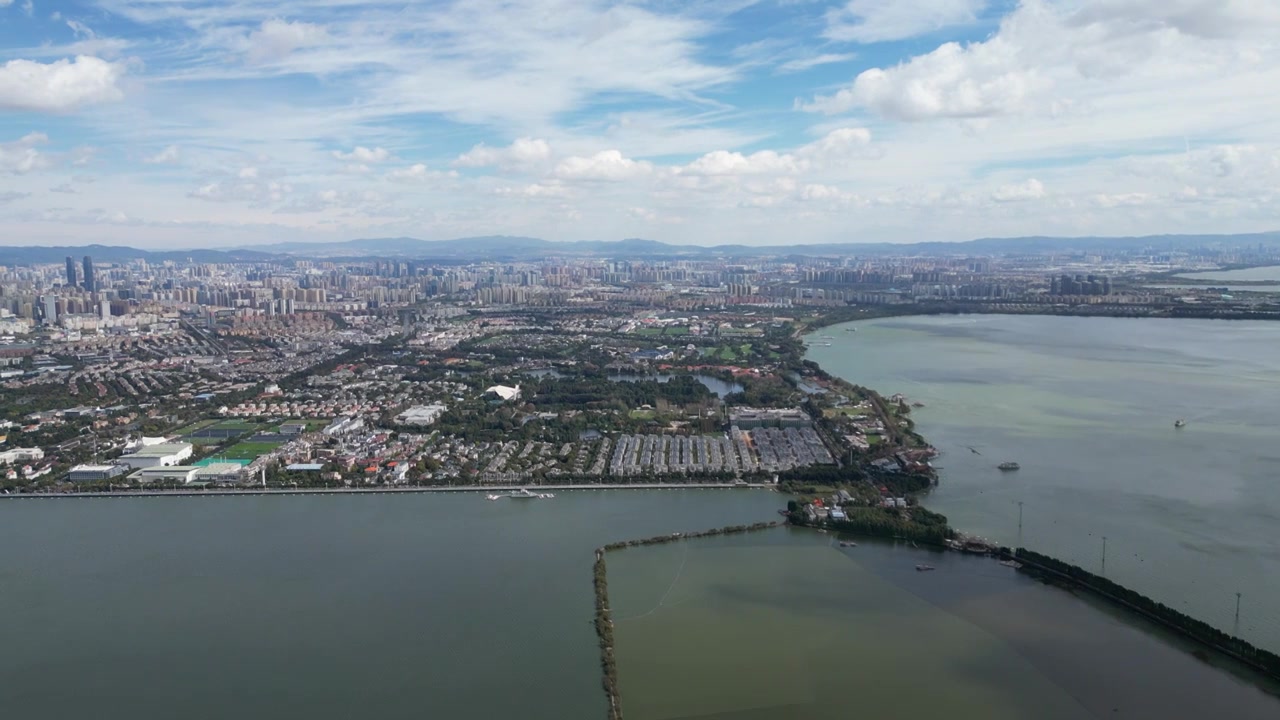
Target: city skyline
column 753, row 123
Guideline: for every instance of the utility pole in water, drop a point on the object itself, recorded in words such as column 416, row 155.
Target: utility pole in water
column 1104, row 555
column 1019, row 523
column 1236, row 631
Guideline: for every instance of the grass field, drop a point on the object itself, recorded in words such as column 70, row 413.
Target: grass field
column 249, row 450
column 194, row 427
column 236, row 425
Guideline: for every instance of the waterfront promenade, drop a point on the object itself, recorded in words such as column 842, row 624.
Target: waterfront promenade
column 356, row 491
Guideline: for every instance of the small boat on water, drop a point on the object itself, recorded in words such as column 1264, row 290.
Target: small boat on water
column 851, row 329
column 1009, row 466
column 1179, row 423
column 924, row 568
column 492, row 497
column 848, row 544
column 526, row 494
column 1011, row 564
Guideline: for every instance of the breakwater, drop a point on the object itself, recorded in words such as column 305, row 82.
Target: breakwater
column 604, row 617
column 1047, row 567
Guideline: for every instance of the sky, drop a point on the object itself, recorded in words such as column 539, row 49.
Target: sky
column 232, row 123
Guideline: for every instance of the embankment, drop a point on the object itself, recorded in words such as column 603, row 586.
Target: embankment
column 1051, row 568
column 604, row 617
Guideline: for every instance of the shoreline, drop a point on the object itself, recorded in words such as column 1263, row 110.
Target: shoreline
column 224, row 492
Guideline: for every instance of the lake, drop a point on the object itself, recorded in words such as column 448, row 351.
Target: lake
column 718, row 387
column 1087, row 406
column 1229, row 287
column 786, row 625
column 319, row 606
column 1268, row 272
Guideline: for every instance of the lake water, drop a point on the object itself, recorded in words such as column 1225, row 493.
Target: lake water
column 785, row 625
column 1269, row 272
column 1087, row 406
column 353, row 606
column 1228, row 286
column 718, row 387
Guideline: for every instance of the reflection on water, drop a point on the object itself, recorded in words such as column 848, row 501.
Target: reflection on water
column 784, row 625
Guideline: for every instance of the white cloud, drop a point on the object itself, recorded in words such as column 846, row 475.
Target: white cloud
column 21, row 157
column 276, row 39
column 806, row 63
column 59, row 86
column 868, row 21
column 167, row 156
column 608, row 165
column 723, row 162
column 248, row 173
column 419, row 173
column 1050, row 57
column 255, row 193
column 533, row 190
column 363, row 155
column 523, row 153
column 1032, row 189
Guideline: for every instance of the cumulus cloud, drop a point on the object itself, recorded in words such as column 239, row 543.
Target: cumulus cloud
column 363, row 155
column 167, row 156
column 418, row 173
column 21, row 157
column 523, row 153
column 723, row 162
column 606, row 165
column 868, row 21
column 1045, row 53
column 1032, row 189
column 59, row 86
column 275, row 39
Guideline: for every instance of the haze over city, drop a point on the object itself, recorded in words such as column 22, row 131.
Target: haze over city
column 185, row 123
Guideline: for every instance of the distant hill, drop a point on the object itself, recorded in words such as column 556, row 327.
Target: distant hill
column 505, row 248
column 35, row 254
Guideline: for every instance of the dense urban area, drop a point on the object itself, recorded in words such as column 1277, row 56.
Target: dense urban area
column 622, row 367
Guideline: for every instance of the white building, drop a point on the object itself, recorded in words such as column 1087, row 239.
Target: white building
column 506, row 392
column 173, row 473
column 95, row 473
column 21, row 455
column 421, row 414
column 160, row 455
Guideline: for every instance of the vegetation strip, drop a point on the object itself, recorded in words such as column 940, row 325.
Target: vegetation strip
column 604, row 617
column 1040, row 565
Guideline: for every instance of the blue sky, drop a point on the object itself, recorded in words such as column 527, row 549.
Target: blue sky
column 180, row 123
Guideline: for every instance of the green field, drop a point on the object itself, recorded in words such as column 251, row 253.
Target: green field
column 194, row 427
column 677, row 330
column 248, row 450
column 648, row 331
column 236, row 425
column 731, row 353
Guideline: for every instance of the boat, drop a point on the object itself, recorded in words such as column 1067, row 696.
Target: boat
column 492, row 497
column 827, row 337
column 845, row 543
column 851, row 329
column 1179, row 423
column 1009, row 466
column 924, row 568
column 527, row 494
column 1011, row 564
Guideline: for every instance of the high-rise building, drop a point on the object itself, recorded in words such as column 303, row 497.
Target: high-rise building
column 71, row 271
column 90, row 283
column 49, row 306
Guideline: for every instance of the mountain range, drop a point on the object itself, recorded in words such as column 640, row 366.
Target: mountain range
column 505, row 248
